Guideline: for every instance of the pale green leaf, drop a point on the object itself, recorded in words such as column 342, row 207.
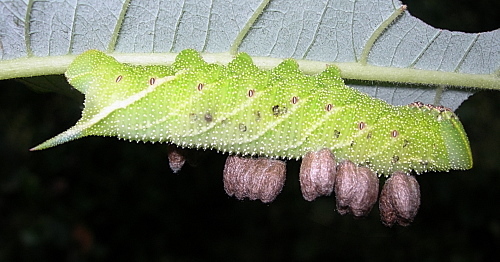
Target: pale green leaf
column 381, row 48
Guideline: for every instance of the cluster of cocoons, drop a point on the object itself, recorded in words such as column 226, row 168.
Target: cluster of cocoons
column 356, row 188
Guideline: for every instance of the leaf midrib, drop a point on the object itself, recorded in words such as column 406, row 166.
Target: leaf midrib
column 38, row 66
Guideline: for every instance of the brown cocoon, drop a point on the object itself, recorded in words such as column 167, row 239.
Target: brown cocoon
column 254, row 178
column 356, row 189
column 399, row 200
column 176, row 158
column 317, row 174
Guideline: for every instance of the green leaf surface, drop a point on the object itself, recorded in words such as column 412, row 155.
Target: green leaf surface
column 379, row 46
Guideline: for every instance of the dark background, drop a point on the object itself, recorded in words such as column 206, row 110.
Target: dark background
column 99, row 199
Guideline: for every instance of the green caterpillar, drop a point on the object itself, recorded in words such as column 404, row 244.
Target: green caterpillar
column 278, row 113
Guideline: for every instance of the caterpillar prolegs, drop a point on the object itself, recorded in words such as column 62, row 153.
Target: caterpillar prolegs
column 243, row 110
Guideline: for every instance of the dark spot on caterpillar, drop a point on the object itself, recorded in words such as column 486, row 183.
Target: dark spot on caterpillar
column 416, row 104
column 424, row 163
column 257, row 116
column 251, row 92
column 200, row 86
column 119, row 78
column 394, row 133
column 361, row 125
column 336, row 133
column 277, row 110
column 406, row 142
column 441, row 108
column 395, row 159
column 193, row 117
column 329, row 107
column 352, row 143
column 152, row 81
column 295, row 100
column 208, row 117
column 369, row 135
column 242, row 127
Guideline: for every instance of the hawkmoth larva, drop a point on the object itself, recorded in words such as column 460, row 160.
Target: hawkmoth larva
column 279, row 113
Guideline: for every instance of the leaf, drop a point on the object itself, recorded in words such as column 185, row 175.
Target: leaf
column 371, row 43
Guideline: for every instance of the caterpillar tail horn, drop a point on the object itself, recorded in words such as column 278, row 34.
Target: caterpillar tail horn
column 71, row 134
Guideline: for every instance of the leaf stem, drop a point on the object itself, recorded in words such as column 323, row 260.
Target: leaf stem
column 37, row 66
